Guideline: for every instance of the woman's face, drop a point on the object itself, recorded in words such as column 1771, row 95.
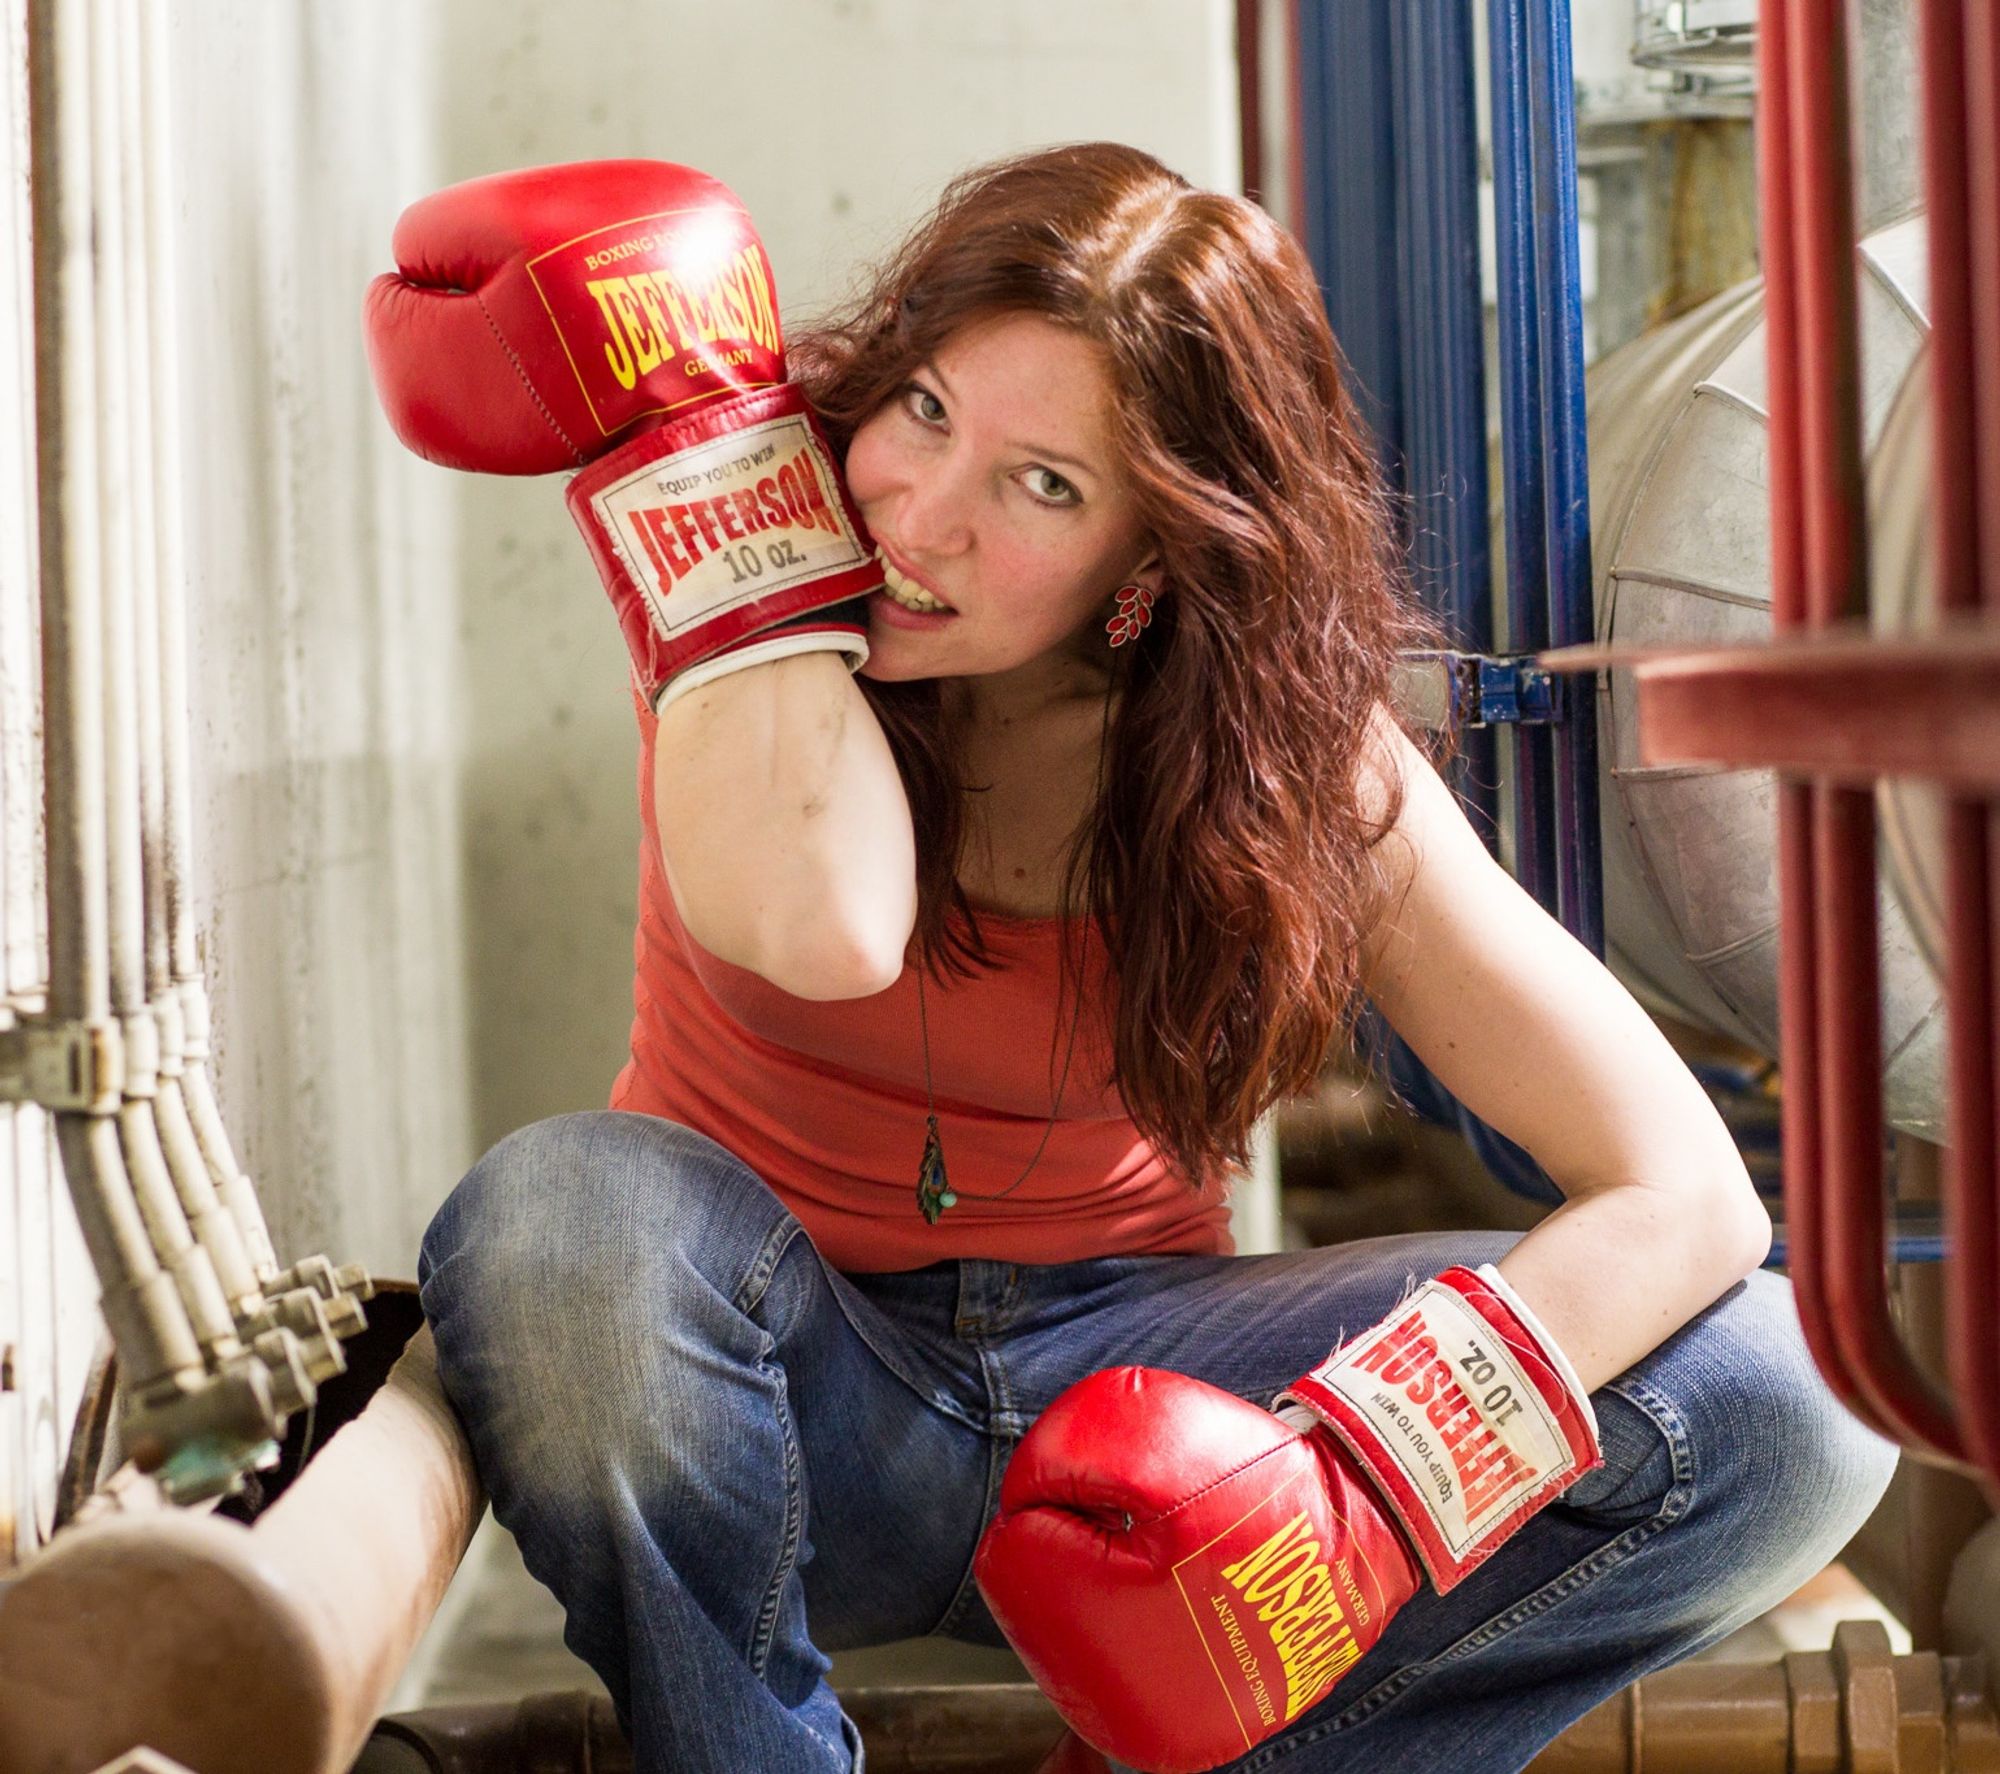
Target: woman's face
column 989, row 482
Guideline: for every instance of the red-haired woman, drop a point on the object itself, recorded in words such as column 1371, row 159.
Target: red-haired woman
column 961, row 984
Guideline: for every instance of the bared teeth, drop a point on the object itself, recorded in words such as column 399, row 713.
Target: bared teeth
column 911, row 597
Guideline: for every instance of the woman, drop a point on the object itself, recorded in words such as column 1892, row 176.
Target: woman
column 744, row 1364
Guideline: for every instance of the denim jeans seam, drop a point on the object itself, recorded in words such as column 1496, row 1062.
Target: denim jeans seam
column 747, row 1298
column 750, row 1291
column 1673, row 1506
column 765, row 1629
column 967, row 1592
column 943, row 1403
column 998, row 1407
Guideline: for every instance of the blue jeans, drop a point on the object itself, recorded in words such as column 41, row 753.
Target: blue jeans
column 726, row 1458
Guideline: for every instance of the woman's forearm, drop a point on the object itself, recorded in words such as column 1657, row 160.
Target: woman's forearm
column 1614, row 1272
column 785, row 828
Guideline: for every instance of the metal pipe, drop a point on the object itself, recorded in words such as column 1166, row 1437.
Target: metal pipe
column 1522, row 439
column 162, row 1151
column 1979, row 1342
column 185, row 1099
column 140, row 1302
column 1444, row 373
column 1295, row 78
column 1973, row 1355
column 259, row 1649
column 1833, row 558
column 197, row 1429
column 1353, row 149
column 1961, row 153
column 1565, row 511
column 139, row 681
column 1982, row 104
column 1250, row 97
column 123, row 419
column 1388, row 111
column 1802, row 988
column 1853, row 1137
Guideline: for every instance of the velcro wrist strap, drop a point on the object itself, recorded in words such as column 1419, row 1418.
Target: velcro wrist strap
column 1464, row 1414
column 842, row 628
column 714, row 527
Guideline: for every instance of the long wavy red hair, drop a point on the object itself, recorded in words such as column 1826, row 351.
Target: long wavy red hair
column 1229, row 860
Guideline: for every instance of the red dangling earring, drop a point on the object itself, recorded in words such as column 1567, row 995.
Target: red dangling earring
column 1135, row 610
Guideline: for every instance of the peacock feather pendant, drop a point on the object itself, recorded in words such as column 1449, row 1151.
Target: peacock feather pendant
column 934, row 1192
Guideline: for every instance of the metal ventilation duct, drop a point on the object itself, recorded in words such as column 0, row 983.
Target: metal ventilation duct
column 1680, row 511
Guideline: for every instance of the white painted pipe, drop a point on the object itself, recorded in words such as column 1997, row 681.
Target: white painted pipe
column 190, row 1126
column 140, row 1300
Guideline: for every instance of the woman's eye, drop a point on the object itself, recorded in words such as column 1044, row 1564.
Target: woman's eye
column 1049, row 486
column 922, row 404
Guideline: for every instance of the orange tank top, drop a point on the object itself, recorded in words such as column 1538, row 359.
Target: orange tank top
column 825, row 1101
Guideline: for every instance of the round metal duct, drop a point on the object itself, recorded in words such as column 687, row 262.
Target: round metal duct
column 1680, row 511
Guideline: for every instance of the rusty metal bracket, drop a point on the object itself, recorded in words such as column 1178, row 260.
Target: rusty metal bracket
column 1480, row 690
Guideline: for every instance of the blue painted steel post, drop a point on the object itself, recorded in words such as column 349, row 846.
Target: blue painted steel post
column 1392, row 157
column 1444, row 345
column 1559, row 851
column 1573, row 617
column 1350, row 214
column 1521, row 425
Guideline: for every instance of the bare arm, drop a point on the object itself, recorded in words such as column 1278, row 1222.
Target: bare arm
column 784, row 828
column 1527, row 1029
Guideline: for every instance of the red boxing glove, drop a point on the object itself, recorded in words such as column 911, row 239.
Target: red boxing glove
column 619, row 316
column 1182, row 1573
column 1185, row 1574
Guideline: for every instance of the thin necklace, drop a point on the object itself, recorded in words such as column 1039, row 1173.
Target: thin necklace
column 934, row 1190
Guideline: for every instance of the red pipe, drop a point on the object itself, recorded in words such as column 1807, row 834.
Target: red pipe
column 1250, row 96
column 1295, row 133
column 1850, row 1103
column 1964, row 256
column 1972, row 1333
column 1828, row 985
column 1962, row 169
column 1982, row 247
column 1798, row 1015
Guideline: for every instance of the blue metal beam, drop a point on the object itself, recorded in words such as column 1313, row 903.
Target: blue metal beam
column 1544, row 440
column 1392, row 180
column 1436, row 184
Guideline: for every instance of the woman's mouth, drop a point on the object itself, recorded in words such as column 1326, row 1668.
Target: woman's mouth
column 906, row 594
column 895, row 615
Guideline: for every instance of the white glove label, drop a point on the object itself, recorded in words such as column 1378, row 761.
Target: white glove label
column 728, row 522
column 1448, row 1400
column 1466, row 1429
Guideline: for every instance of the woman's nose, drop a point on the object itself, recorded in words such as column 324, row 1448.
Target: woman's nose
column 935, row 513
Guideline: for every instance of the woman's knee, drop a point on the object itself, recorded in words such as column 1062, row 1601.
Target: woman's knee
column 584, row 1284
column 1781, row 1467
column 567, row 1220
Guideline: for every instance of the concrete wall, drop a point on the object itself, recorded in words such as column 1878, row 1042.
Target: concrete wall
column 322, row 627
